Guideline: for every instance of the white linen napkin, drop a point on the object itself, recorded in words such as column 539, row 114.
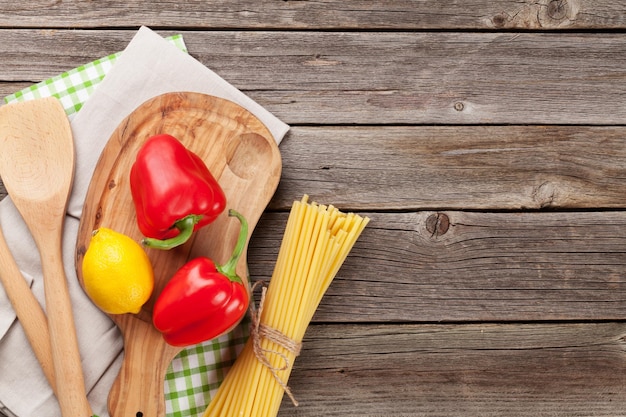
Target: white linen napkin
column 148, row 67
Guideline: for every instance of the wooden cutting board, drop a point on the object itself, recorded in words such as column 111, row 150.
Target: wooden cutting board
column 244, row 157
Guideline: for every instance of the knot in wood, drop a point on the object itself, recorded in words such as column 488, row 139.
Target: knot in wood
column 558, row 13
column 538, row 14
column 545, row 195
column 437, row 224
column 499, row 20
column 557, row 9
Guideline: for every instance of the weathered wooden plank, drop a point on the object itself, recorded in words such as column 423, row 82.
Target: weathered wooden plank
column 486, row 266
column 325, row 14
column 379, row 77
column 473, row 370
column 461, row 167
column 462, row 370
column 520, row 370
column 38, row 54
column 455, row 167
column 471, row 266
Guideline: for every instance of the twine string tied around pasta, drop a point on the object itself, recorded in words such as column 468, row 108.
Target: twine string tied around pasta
column 259, row 331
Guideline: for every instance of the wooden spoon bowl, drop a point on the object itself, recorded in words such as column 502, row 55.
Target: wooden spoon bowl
column 244, row 157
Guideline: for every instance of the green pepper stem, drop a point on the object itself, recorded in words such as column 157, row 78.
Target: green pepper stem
column 184, row 225
column 228, row 269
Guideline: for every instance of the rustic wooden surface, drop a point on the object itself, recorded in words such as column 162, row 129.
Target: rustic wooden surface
column 486, row 141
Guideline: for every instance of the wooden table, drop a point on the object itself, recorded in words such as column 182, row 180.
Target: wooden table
column 487, row 142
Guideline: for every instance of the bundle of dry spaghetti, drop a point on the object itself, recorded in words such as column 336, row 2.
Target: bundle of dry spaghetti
column 316, row 242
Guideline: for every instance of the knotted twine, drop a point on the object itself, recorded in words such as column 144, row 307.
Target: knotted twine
column 259, row 330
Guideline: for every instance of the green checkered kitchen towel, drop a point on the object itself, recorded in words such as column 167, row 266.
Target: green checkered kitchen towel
column 75, row 86
column 195, row 374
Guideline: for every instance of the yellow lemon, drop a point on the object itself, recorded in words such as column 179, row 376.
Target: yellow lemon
column 117, row 273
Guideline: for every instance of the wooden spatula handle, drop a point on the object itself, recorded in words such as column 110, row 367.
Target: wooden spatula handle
column 27, row 309
column 139, row 387
column 69, row 378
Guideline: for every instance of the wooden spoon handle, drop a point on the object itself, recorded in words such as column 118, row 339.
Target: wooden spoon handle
column 139, row 387
column 69, row 378
column 28, row 310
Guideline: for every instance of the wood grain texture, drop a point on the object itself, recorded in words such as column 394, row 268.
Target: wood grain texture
column 325, row 14
column 379, row 77
column 461, row 370
column 454, row 167
column 460, row 167
column 484, row 267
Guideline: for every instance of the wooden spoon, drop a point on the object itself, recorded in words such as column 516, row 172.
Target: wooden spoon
column 37, row 166
column 241, row 153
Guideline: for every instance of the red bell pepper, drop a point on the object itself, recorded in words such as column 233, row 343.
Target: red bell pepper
column 203, row 300
column 173, row 191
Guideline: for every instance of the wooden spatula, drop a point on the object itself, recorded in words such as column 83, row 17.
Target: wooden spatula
column 241, row 153
column 37, row 166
